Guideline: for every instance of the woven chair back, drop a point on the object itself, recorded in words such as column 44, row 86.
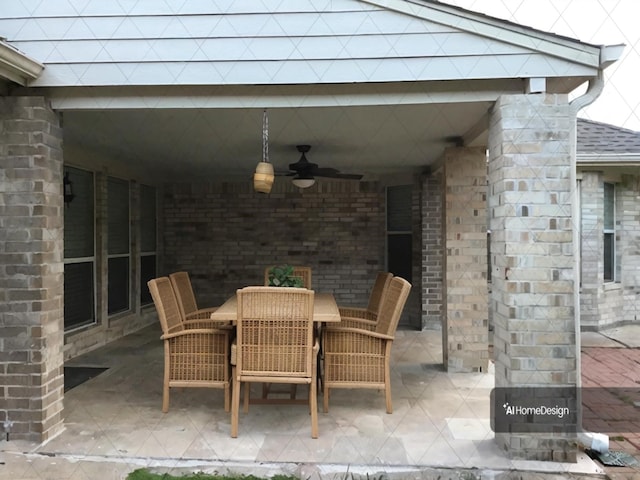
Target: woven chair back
column 392, row 306
column 275, row 332
column 166, row 304
column 304, row 273
column 184, row 293
column 378, row 291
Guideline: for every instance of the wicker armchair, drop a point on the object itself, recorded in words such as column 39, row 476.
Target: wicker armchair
column 366, row 316
column 303, row 272
column 274, row 344
column 193, row 357
column 187, row 301
column 358, row 357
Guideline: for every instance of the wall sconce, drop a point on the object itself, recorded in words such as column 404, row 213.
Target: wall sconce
column 67, row 185
column 264, row 176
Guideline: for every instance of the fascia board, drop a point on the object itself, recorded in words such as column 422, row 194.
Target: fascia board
column 16, row 66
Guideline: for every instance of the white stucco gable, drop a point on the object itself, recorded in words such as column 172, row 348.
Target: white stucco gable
column 244, row 42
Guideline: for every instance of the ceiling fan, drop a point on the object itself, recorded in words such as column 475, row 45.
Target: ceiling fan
column 304, row 171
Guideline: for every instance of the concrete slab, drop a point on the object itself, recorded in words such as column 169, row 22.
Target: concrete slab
column 627, row 335
column 598, row 339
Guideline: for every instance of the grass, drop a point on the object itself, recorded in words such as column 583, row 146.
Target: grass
column 144, row 474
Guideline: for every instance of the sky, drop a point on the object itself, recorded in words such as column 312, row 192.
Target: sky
column 599, row 22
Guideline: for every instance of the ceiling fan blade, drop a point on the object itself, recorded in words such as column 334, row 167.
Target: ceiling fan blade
column 334, row 173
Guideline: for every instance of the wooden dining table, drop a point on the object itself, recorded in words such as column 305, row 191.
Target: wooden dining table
column 325, row 309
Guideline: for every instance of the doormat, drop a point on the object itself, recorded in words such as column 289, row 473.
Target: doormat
column 74, row 376
column 613, row 458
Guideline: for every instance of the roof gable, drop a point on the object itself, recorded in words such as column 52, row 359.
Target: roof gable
column 244, row 42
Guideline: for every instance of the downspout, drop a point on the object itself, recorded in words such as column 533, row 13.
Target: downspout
column 608, row 55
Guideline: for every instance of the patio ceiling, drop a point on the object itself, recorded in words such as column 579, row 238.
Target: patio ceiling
column 222, row 143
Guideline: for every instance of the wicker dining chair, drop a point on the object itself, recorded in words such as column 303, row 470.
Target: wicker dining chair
column 304, row 273
column 360, row 358
column 193, row 357
column 368, row 315
column 187, row 300
column 274, row 344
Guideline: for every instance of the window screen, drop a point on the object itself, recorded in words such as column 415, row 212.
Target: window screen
column 79, row 255
column 78, row 216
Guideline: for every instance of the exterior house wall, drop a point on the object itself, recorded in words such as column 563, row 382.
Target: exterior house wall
column 109, row 328
column 606, row 304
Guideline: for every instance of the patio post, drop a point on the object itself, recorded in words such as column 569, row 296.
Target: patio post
column 531, row 158
column 31, row 269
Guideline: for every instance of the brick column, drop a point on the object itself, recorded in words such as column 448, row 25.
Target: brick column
column 466, row 330
column 31, row 269
column 532, row 257
column 432, row 251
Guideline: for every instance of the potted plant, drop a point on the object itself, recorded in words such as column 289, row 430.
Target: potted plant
column 282, row 276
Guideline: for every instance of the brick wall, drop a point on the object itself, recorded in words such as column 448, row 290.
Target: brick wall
column 31, row 268
column 432, row 251
column 225, row 234
column 465, row 237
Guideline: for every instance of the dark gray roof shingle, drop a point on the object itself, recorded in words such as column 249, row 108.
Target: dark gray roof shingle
column 604, row 139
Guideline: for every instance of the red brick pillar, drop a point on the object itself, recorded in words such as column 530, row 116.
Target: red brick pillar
column 31, row 269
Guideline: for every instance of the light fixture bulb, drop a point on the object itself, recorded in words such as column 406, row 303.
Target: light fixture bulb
column 303, row 182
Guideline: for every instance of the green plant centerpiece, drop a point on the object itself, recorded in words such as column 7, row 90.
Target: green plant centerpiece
column 283, row 276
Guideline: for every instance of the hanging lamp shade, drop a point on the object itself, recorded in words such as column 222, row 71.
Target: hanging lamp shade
column 264, row 175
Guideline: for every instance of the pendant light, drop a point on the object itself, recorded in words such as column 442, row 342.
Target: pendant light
column 264, row 176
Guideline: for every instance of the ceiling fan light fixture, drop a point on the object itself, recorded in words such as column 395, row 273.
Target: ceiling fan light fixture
column 303, row 182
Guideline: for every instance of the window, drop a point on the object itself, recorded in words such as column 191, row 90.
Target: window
column 118, row 247
column 609, row 233
column 79, row 252
column 147, row 241
column 399, row 238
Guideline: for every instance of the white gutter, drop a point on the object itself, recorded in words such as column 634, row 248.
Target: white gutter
column 608, row 55
column 16, row 66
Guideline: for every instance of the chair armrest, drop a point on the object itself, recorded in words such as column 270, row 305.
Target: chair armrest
column 201, row 314
column 357, row 312
column 356, row 322
column 358, row 331
column 206, row 323
column 196, row 332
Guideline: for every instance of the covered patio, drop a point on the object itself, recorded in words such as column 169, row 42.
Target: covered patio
column 154, row 117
